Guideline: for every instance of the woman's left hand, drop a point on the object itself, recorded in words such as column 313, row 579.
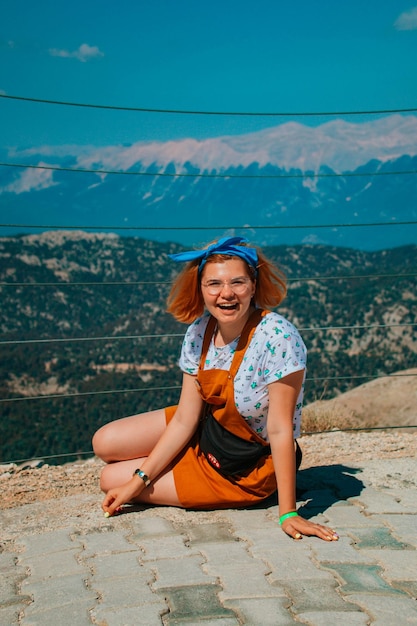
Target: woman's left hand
column 297, row 526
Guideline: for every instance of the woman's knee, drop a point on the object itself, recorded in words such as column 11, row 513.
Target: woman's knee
column 106, row 480
column 102, row 443
column 116, row 474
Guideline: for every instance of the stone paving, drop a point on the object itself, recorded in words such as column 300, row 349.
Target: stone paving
column 164, row 566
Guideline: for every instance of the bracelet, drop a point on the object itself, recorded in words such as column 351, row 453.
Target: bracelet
column 143, row 476
column 286, row 516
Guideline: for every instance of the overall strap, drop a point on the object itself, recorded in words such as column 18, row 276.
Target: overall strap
column 211, row 325
column 245, row 338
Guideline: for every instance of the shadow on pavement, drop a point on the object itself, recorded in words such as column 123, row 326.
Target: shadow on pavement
column 321, row 487
column 318, row 488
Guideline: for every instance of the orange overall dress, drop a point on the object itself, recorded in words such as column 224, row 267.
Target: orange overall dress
column 198, row 484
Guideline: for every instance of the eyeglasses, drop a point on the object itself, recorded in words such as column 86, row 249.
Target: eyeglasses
column 239, row 286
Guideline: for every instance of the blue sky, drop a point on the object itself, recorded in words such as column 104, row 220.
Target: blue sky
column 224, row 55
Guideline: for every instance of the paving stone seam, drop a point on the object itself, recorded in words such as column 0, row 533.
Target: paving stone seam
column 275, row 584
column 179, row 599
column 388, row 588
column 248, row 548
column 83, row 537
column 394, row 531
column 395, row 584
column 21, row 599
column 345, row 605
column 27, row 599
column 91, row 582
column 156, row 559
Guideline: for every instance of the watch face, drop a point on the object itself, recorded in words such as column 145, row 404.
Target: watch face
column 142, row 475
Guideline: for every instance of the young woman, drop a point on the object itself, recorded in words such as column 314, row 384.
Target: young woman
column 231, row 441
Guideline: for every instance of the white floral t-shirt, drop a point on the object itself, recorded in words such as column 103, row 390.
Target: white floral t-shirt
column 276, row 350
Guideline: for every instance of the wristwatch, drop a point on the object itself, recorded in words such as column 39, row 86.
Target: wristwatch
column 143, row 476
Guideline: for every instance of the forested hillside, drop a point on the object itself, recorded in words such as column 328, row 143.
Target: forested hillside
column 91, row 309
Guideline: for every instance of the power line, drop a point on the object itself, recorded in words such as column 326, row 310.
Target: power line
column 79, row 394
column 76, row 339
column 356, row 430
column 205, row 175
column 48, row 456
column 121, row 283
column 170, row 335
column 115, row 283
column 349, row 277
column 76, row 394
column 303, row 433
column 194, row 112
column 100, row 227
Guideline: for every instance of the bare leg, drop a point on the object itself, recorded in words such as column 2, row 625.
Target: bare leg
column 129, row 438
column 162, row 490
column 124, row 444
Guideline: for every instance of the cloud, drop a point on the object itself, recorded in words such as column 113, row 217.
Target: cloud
column 31, row 180
column 83, row 53
column 407, row 20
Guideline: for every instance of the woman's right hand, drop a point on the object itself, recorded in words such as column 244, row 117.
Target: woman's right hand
column 116, row 497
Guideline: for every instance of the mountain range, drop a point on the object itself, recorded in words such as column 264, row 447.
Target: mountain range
column 287, row 184
column 83, row 324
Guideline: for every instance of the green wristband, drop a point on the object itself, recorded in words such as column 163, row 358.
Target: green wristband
column 287, row 515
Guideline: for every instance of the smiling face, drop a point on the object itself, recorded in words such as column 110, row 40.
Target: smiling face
column 231, row 309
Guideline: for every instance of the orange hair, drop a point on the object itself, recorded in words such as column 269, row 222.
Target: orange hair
column 185, row 300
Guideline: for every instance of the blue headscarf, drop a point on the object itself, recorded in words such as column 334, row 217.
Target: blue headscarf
column 226, row 245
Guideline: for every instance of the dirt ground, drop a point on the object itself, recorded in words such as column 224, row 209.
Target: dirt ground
column 23, row 484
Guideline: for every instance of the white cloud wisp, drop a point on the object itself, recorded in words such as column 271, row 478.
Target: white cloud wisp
column 31, row 180
column 84, row 53
column 407, row 20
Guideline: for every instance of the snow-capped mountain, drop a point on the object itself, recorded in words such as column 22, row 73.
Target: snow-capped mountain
column 374, row 162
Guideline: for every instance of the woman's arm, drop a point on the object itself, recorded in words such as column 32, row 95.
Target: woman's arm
column 177, row 434
column 283, row 396
column 180, row 429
